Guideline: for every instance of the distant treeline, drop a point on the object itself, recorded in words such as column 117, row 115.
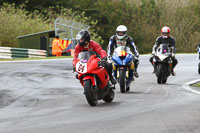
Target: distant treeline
column 144, row 19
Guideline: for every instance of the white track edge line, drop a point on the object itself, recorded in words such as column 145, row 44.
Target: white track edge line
column 186, row 86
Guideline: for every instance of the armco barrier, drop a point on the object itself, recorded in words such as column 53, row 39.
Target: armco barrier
column 10, row 53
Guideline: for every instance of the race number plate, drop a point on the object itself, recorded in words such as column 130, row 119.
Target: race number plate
column 81, row 67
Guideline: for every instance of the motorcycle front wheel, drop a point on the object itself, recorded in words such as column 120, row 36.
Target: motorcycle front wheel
column 160, row 72
column 122, row 80
column 90, row 93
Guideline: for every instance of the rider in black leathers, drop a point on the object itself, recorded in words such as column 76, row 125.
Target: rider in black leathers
column 166, row 39
column 122, row 39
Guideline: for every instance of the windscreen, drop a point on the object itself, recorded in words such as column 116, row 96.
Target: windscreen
column 86, row 55
column 122, row 48
column 163, row 49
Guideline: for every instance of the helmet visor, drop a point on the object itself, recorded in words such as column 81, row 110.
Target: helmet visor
column 120, row 33
column 78, row 37
column 165, row 33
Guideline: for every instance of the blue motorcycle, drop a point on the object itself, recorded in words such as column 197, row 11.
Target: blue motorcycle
column 123, row 67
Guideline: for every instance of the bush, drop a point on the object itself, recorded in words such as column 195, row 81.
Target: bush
column 17, row 21
column 143, row 18
column 184, row 22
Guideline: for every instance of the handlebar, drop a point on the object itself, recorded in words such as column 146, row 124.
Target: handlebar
column 102, row 63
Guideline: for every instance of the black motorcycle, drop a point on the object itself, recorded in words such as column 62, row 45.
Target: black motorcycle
column 163, row 63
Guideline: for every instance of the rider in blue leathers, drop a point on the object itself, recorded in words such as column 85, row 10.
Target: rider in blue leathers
column 122, row 39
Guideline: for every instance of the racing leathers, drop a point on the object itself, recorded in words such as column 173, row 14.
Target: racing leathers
column 171, row 43
column 114, row 42
column 94, row 46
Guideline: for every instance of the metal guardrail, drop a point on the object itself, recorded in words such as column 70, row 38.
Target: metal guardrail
column 68, row 29
column 11, row 53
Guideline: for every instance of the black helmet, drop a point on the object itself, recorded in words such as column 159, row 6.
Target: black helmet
column 83, row 37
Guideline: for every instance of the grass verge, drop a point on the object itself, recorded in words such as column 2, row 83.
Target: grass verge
column 196, row 85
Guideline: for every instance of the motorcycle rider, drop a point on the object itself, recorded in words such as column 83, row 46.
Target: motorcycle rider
column 85, row 44
column 167, row 39
column 122, row 39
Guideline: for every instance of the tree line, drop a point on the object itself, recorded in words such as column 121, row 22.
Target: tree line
column 143, row 18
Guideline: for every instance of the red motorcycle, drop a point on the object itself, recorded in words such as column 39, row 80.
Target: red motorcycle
column 94, row 78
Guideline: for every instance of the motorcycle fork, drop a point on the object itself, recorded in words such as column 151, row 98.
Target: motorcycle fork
column 117, row 72
column 93, row 80
column 127, row 72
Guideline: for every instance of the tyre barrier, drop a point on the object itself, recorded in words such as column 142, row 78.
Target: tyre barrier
column 12, row 53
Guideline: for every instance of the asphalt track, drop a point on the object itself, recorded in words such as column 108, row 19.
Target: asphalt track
column 43, row 96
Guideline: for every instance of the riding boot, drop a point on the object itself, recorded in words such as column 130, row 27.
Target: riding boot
column 109, row 70
column 112, row 79
column 135, row 72
column 131, row 75
column 174, row 63
column 173, row 73
column 154, row 67
column 152, row 63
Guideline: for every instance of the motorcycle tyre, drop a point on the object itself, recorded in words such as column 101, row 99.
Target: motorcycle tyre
column 164, row 81
column 110, row 96
column 122, row 80
column 159, row 74
column 90, row 94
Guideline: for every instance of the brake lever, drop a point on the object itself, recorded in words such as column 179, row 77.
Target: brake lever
column 99, row 63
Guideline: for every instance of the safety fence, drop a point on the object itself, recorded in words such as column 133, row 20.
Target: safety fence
column 11, row 53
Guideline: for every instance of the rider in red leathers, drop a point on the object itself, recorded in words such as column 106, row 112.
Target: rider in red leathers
column 85, row 44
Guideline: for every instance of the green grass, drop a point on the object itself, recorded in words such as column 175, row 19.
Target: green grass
column 196, row 85
column 36, row 58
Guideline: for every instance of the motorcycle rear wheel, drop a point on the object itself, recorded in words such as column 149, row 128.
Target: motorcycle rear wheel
column 110, row 96
column 164, row 81
column 90, row 93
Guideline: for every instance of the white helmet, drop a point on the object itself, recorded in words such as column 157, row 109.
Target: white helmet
column 121, row 31
column 165, row 32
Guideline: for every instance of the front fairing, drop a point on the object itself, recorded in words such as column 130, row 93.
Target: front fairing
column 162, row 53
column 117, row 60
column 81, row 67
column 84, row 61
column 127, row 59
column 122, row 56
